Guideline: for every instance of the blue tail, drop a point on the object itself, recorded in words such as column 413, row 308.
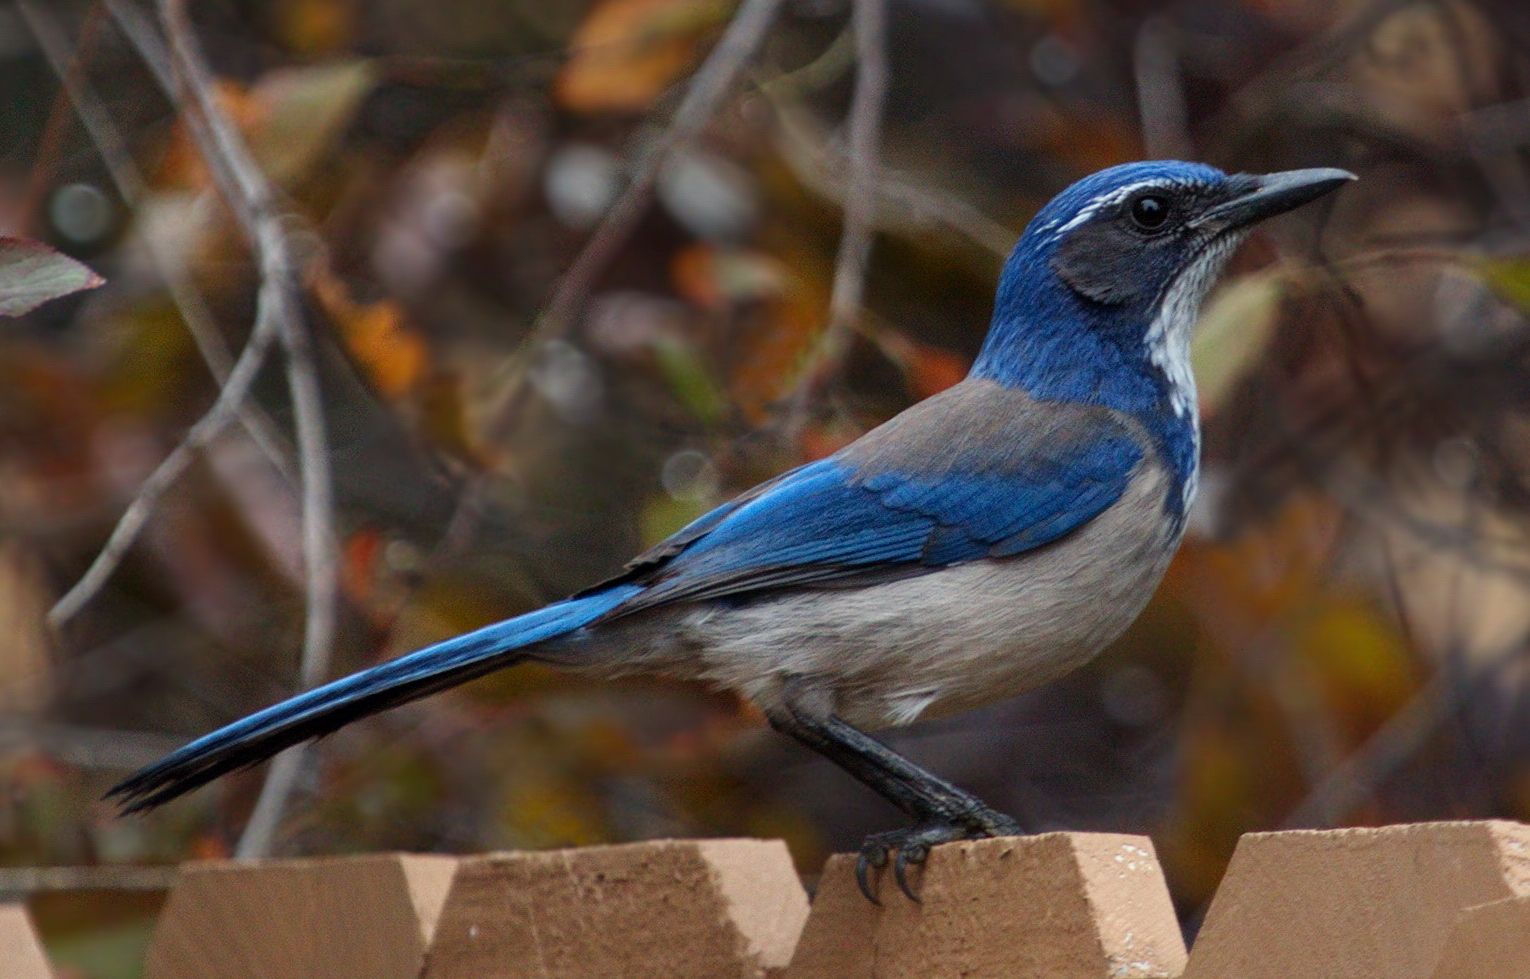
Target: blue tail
column 328, row 708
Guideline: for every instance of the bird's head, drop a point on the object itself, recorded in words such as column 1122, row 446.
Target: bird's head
column 1099, row 297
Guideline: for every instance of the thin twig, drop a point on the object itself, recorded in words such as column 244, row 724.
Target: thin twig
column 95, row 748
column 50, row 145
column 1352, row 781
column 131, row 185
column 865, row 139
column 708, row 87
column 132, row 522
column 818, row 74
column 236, row 387
column 21, row 881
column 142, row 32
column 1160, row 92
column 903, row 203
column 859, row 223
column 254, row 202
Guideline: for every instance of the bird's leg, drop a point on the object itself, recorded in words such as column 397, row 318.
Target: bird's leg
column 942, row 811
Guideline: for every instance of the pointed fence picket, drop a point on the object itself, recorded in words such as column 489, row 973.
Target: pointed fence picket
column 1424, row 901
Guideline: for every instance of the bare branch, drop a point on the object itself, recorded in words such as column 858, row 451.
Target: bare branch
column 252, row 199
column 50, row 144
column 903, row 204
column 1160, row 92
column 131, row 185
column 223, row 411
column 143, row 33
column 859, row 227
column 1352, row 781
column 860, row 200
column 21, row 881
column 87, row 747
column 708, row 87
column 1356, row 778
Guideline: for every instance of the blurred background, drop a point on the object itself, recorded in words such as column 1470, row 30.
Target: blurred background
column 1341, row 641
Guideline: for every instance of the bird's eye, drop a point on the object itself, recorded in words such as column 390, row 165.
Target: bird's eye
column 1149, row 212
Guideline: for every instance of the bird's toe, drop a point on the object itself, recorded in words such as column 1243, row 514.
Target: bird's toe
column 913, row 846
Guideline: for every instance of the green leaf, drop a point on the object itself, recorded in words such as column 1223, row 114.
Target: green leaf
column 309, row 109
column 1234, row 329
column 663, row 515
column 688, row 378
column 31, row 273
column 1510, row 278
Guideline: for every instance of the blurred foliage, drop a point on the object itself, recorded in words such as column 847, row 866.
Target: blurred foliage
column 96, row 935
column 1342, row 639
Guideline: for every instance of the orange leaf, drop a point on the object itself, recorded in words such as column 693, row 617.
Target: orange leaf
column 774, row 353
column 627, row 52
column 316, row 27
column 182, row 164
column 712, row 278
column 359, row 564
column 394, row 357
column 930, row 370
column 208, row 846
column 290, row 119
column 822, row 441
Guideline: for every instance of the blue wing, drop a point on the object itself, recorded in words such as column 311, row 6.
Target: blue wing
column 981, row 472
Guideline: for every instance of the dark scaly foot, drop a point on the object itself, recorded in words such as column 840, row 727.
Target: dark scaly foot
column 943, row 812
column 913, row 845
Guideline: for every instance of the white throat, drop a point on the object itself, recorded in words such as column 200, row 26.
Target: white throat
column 1169, row 335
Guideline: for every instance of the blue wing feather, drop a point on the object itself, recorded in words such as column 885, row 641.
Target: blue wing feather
column 901, row 504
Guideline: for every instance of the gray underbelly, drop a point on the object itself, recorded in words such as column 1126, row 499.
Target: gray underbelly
column 926, row 646
column 935, row 644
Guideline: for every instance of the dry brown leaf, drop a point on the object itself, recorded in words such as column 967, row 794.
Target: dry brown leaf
column 25, row 664
column 291, row 118
column 774, row 354
column 393, row 356
column 929, row 369
column 627, row 52
column 1426, row 65
column 182, row 166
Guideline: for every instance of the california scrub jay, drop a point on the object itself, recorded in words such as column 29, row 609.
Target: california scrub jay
column 983, row 542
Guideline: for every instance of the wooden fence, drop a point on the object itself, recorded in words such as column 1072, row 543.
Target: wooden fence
column 1426, row 901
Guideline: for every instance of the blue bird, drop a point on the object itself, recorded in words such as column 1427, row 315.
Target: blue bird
column 986, row 541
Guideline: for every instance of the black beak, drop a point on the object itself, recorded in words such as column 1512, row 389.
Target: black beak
column 1271, row 194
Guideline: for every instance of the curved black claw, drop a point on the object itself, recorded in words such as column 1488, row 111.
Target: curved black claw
column 870, row 857
column 906, row 856
column 913, row 846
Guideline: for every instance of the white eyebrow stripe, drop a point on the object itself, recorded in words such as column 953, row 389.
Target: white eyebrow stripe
column 1114, row 197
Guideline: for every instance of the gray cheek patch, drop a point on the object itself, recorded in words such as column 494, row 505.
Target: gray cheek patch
column 1100, row 261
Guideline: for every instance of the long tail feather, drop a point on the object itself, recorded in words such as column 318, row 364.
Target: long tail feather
column 328, row 708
